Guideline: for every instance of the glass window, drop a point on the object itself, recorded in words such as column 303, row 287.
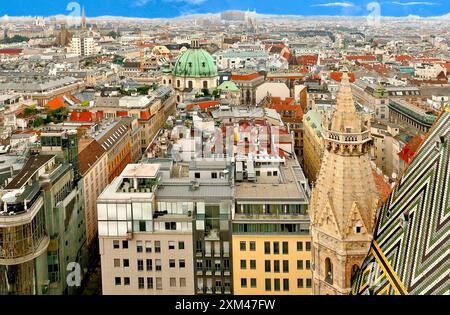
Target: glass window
column 171, row 245
column 148, row 246
column 126, row 263
column 299, row 283
column 243, row 264
column 116, row 244
column 149, row 264
column 124, row 244
column 285, row 248
column 268, row 284
column 117, row 281
column 126, row 281
column 253, row 282
column 242, row 246
column 285, row 265
column 276, row 284
column 157, row 247
column 308, row 246
column 182, row 263
column 267, row 265
column 276, row 247
column 308, row 264
column 140, row 265
column 158, row 283
column 158, row 264
column 308, row 283
column 285, row 284
column 266, row 247
column 276, row 266
column 252, row 264
column 243, row 283
column 180, row 245
column 299, row 246
column 139, row 248
column 252, row 246
column 149, row 283
column 141, row 282
column 299, row 264
column 116, row 262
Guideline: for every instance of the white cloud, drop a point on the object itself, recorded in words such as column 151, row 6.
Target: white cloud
column 141, row 3
column 335, row 4
column 406, row 4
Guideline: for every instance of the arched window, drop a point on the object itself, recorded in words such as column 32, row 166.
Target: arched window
column 354, row 274
column 170, row 81
column 328, row 271
column 205, row 84
column 190, row 84
column 178, row 98
column 178, row 83
column 164, row 81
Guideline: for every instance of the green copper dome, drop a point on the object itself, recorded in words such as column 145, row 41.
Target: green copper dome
column 195, row 63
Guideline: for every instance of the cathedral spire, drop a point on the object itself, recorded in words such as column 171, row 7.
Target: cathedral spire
column 345, row 118
column 345, row 198
column 83, row 19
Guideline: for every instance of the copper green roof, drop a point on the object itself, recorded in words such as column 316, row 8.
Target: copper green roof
column 195, row 63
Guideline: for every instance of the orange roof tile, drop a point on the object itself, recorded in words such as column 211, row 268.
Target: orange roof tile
column 244, row 77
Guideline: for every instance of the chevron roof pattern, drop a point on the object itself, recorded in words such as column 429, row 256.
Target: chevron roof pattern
column 410, row 253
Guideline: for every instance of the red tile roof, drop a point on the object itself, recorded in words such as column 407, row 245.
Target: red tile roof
column 410, row 149
column 121, row 113
column 307, row 60
column 245, row 77
column 89, row 155
column 361, row 57
column 203, row 105
column 57, row 102
column 337, row 76
column 403, row 58
column 81, row 116
column 11, row 51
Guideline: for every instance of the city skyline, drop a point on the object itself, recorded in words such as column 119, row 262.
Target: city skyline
column 176, row 8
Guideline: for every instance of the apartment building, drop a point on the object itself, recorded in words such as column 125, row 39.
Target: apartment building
column 94, row 171
column 42, row 230
column 115, row 138
column 151, row 111
column 271, row 237
column 144, row 250
column 83, row 46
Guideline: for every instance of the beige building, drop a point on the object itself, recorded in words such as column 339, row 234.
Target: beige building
column 94, row 171
column 344, row 200
column 312, row 144
column 143, row 251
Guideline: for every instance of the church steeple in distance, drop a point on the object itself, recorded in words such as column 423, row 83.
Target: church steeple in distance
column 83, row 19
column 345, row 199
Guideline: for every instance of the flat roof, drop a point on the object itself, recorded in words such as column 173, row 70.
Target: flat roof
column 140, row 171
column 287, row 189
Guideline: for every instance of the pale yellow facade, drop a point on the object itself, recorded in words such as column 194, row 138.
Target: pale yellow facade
column 289, row 271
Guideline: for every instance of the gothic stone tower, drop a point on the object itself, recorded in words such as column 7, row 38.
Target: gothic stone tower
column 344, row 200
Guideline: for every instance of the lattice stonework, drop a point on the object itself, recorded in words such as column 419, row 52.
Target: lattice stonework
column 410, row 253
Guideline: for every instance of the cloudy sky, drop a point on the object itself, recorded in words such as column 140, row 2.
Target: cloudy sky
column 173, row 8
